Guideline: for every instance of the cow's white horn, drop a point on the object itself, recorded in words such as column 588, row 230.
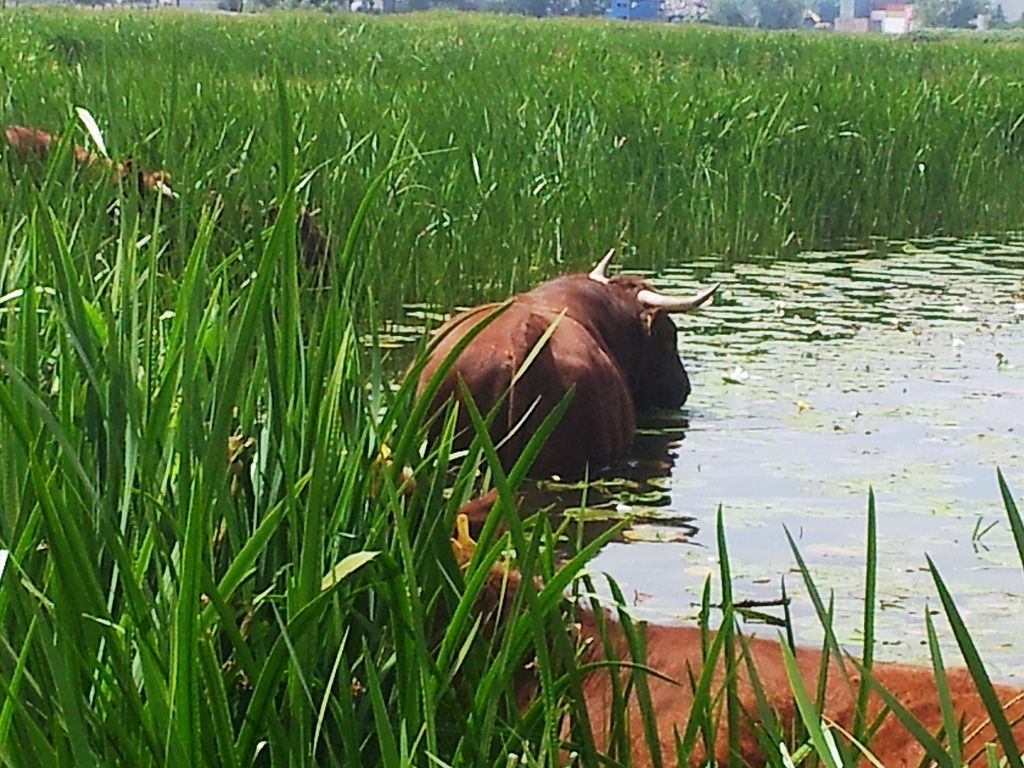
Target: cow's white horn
column 598, row 272
column 656, row 300
column 165, row 190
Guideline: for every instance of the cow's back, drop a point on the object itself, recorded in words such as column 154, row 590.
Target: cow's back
column 26, row 142
column 598, row 423
column 675, row 653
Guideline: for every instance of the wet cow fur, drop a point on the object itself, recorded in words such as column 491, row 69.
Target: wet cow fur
column 675, row 652
column 613, row 353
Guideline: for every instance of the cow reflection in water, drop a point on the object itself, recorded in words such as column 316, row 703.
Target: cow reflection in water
column 609, row 341
column 631, row 486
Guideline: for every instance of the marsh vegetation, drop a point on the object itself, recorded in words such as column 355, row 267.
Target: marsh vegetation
column 210, row 552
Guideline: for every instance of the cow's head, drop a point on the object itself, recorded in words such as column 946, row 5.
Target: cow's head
column 656, row 374
column 156, row 182
column 146, row 182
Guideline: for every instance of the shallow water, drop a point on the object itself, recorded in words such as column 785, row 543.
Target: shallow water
column 815, row 379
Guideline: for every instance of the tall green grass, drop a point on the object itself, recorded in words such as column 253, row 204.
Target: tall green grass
column 540, row 143
column 209, row 553
column 212, row 555
column 210, row 558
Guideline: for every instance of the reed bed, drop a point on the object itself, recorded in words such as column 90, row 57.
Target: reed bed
column 533, row 145
column 209, row 557
column 210, row 553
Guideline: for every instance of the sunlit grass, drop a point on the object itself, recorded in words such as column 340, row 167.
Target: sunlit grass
column 165, row 600
column 665, row 141
column 210, row 553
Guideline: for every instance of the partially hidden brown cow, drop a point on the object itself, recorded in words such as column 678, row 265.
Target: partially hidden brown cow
column 613, row 346
column 36, row 144
column 675, row 652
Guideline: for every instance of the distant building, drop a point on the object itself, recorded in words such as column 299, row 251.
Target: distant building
column 634, row 10
column 866, row 16
column 854, row 9
column 649, row 10
column 893, row 18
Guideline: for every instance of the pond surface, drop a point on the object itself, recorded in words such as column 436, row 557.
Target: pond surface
column 814, row 379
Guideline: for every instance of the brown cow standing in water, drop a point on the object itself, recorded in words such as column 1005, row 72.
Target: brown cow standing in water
column 676, row 653
column 613, row 346
column 34, row 143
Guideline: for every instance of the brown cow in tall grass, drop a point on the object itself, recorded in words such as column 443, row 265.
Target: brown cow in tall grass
column 29, row 144
column 675, row 655
column 34, row 144
column 610, row 341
